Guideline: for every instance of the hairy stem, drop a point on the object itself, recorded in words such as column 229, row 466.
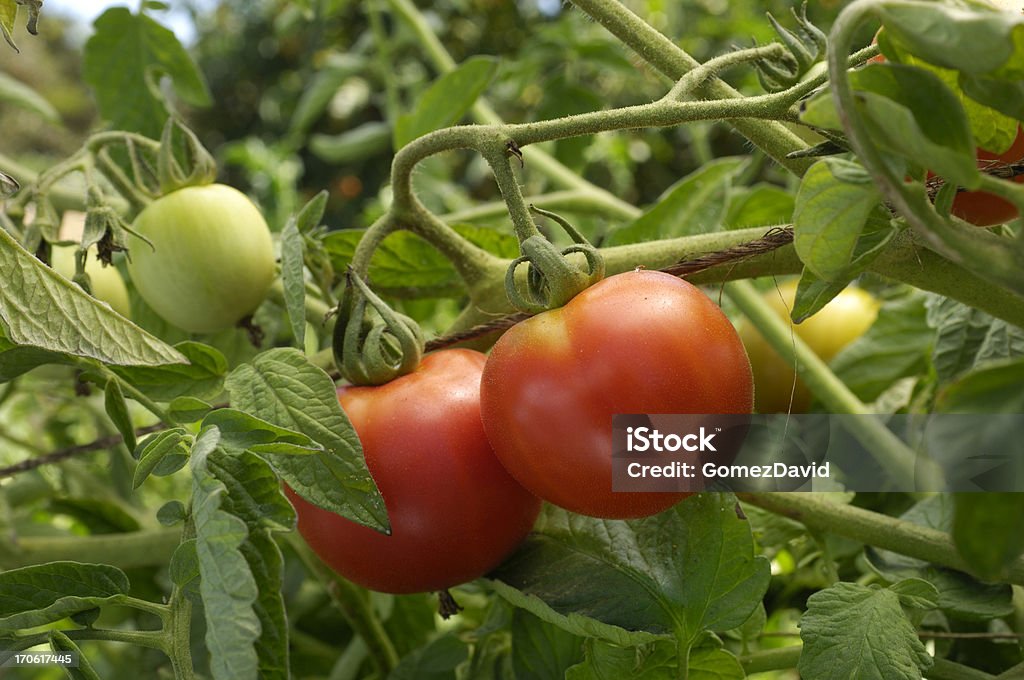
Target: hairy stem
column 871, row 528
column 125, row 551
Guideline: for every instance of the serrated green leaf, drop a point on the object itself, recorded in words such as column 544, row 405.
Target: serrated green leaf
column 254, row 492
column 437, row 660
column 988, row 530
column 38, row 595
column 447, row 100
column 282, row 387
column 833, row 204
column 227, row 585
column 960, row 596
column 994, row 389
column 15, row 361
column 117, row 409
column 896, row 346
column 623, row 573
column 16, row 93
column 916, row 593
column 855, row 631
column 201, row 375
column 240, row 431
column 294, row 279
column 75, row 323
column 968, row 338
column 184, row 568
column 405, row 265
column 696, row 204
column 127, row 89
column 542, row 651
column 656, row 661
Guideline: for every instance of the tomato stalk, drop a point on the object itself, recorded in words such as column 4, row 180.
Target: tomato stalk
column 991, row 257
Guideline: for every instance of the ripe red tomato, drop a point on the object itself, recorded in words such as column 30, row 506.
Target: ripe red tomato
column 984, row 209
column 638, row 342
column 455, row 512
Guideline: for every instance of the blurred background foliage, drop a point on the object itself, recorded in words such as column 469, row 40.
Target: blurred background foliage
column 303, row 92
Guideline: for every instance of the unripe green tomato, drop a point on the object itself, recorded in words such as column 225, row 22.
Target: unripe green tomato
column 212, row 259
column 847, row 317
column 106, row 282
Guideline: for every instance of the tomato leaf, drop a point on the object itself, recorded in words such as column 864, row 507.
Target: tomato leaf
column 76, row 323
column 127, row 90
column 625, row 575
column 352, row 146
column 833, row 205
column 8, row 15
column 317, row 94
column 61, row 644
column 236, row 501
column 759, row 205
column 851, row 630
column 896, row 346
column 988, row 529
column 117, row 409
column 968, row 338
column 955, row 37
column 240, row 431
column 201, row 378
column 958, row 594
column 696, row 204
column 994, row 389
column 447, row 100
column 541, row 650
column 41, row 594
column 281, row 387
column 294, row 279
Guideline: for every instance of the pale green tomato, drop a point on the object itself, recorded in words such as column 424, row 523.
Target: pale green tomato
column 106, row 282
column 211, row 262
column 844, row 319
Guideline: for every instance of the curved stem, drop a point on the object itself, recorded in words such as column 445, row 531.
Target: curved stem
column 586, row 202
column 871, row 528
column 125, row 551
column 663, row 54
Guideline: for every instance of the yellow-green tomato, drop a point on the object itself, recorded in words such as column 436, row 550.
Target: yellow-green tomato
column 840, row 322
column 106, row 282
column 211, row 262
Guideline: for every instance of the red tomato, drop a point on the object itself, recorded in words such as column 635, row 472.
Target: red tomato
column 639, row 342
column 455, row 512
column 984, row 209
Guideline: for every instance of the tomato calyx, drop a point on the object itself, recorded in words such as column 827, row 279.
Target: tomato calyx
column 373, row 344
column 196, row 167
column 551, row 278
column 447, row 607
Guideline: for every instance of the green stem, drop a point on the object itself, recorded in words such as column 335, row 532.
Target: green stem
column 894, row 456
column 871, row 528
column 522, row 220
column 316, row 309
column 353, row 604
column 135, row 393
column 788, row 657
column 179, row 649
column 584, row 202
column 771, row 660
column 142, row 638
column 663, row 54
column 125, row 551
column 161, row 611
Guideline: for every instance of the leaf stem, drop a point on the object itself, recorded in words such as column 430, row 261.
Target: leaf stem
column 126, row 550
column 871, row 528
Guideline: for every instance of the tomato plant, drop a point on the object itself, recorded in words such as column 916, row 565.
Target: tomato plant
column 182, row 494
column 638, row 342
column 455, row 513
column 981, row 208
column 844, row 319
column 207, row 260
